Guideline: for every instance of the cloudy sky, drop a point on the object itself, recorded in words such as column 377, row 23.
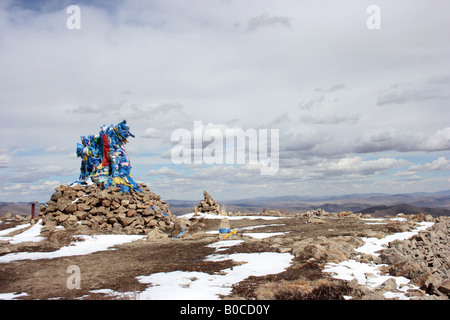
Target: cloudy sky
column 358, row 110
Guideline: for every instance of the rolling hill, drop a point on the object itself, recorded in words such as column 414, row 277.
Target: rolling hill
column 375, row 203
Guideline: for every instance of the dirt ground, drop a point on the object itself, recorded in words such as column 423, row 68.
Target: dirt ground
column 117, row 269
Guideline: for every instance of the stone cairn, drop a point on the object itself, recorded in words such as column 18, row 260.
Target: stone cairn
column 107, row 210
column 424, row 258
column 208, row 205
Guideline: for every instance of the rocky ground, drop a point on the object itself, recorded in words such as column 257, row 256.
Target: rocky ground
column 106, row 210
column 314, row 239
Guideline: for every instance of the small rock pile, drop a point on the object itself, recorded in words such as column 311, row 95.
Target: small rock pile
column 335, row 249
column 18, row 217
column 107, row 210
column 208, row 205
column 425, row 258
column 323, row 213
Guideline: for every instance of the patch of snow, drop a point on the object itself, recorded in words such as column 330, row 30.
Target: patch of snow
column 90, row 244
column 249, row 228
column 382, row 220
column 113, row 293
column 261, row 226
column 4, row 232
column 224, row 244
column 376, row 222
column 181, row 285
column 398, row 295
column 369, row 274
column 372, row 219
column 32, row 234
column 12, row 295
column 215, row 216
column 372, row 245
column 399, row 219
column 263, row 235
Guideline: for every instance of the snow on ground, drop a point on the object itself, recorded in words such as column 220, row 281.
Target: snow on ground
column 215, row 216
column 89, row 244
column 261, row 226
column 374, row 244
column 249, row 228
column 31, row 234
column 172, row 285
column 369, row 274
column 181, row 285
column 4, row 232
column 192, row 285
column 224, row 244
column 199, row 285
column 12, row 295
column 255, row 235
column 263, row 235
column 382, row 220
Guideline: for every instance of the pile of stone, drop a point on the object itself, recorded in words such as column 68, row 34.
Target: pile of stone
column 323, row 213
column 9, row 215
column 208, row 205
column 425, row 258
column 107, row 210
column 334, row 249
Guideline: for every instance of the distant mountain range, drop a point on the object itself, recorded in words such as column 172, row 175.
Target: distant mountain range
column 20, row 208
column 382, row 210
column 377, row 204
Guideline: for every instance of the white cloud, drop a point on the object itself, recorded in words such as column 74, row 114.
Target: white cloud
column 312, row 70
column 5, row 160
column 356, row 166
column 439, row 79
column 56, row 149
column 265, row 20
column 333, row 88
column 6, row 155
column 398, row 140
column 17, row 186
column 326, row 118
column 413, row 93
column 440, row 164
column 309, row 104
column 151, row 133
column 439, row 141
column 165, row 171
column 47, row 185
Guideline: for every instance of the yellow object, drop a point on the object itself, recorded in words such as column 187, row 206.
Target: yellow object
column 230, row 234
column 119, row 180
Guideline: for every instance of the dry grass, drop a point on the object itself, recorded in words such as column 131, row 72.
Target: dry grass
column 302, row 289
column 197, row 226
column 223, row 210
column 62, row 237
column 115, row 296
